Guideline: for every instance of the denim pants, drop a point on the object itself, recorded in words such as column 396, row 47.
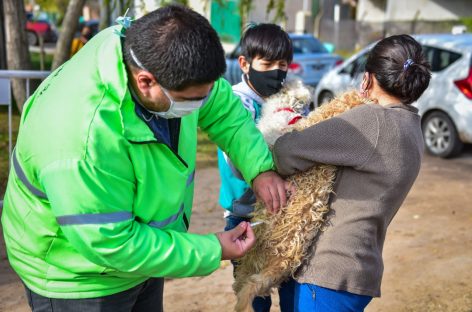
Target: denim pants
column 286, row 290
column 145, row 297
column 313, row 298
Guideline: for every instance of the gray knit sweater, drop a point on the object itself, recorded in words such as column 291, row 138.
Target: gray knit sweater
column 378, row 151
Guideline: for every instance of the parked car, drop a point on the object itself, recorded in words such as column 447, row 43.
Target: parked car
column 445, row 107
column 39, row 27
column 311, row 60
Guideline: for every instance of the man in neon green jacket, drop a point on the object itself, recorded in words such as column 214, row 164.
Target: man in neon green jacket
column 100, row 193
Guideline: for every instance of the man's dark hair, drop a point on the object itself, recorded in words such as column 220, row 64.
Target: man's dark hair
column 399, row 65
column 267, row 41
column 177, row 45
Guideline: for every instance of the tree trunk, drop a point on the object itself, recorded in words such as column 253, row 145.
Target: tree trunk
column 3, row 51
column 105, row 12
column 69, row 26
column 17, row 45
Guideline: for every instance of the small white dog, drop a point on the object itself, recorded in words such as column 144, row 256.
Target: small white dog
column 283, row 110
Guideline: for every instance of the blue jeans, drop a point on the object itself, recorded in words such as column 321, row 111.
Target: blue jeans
column 286, row 290
column 313, row 298
column 145, row 297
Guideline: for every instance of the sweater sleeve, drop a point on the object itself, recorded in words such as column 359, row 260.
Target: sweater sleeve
column 348, row 139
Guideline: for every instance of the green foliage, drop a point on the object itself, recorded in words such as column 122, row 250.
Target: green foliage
column 35, row 61
column 245, row 7
column 4, row 144
column 55, row 6
column 226, row 38
column 279, row 7
column 345, row 54
column 166, row 2
column 467, row 21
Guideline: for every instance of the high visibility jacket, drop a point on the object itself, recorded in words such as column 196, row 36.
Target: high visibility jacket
column 236, row 196
column 95, row 204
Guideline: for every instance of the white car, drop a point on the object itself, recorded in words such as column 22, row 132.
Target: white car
column 445, row 107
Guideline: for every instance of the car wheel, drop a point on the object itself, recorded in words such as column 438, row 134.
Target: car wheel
column 440, row 136
column 311, row 106
column 32, row 38
column 325, row 97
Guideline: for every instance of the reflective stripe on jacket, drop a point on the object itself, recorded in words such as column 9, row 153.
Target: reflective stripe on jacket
column 116, row 202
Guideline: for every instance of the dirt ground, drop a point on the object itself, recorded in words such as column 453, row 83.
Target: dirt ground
column 427, row 254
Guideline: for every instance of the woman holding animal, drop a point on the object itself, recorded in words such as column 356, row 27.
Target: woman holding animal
column 377, row 149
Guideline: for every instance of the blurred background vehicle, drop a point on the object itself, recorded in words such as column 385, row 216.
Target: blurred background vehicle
column 39, row 26
column 311, row 60
column 84, row 32
column 445, row 107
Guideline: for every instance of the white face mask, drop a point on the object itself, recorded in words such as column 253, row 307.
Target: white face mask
column 179, row 109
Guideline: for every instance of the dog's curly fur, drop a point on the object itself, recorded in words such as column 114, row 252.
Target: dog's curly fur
column 284, row 238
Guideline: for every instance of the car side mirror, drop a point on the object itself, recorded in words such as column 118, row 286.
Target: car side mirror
column 330, row 47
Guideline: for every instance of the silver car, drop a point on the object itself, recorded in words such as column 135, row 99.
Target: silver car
column 311, row 60
column 445, row 107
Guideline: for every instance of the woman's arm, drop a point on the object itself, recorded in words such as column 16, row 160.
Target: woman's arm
column 346, row 140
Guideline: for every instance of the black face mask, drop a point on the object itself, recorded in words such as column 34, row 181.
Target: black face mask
column 268, row 82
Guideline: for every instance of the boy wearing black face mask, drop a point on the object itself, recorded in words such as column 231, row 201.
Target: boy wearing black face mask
column 266, row 52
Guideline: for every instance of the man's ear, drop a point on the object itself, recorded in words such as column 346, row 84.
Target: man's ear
column 243, row 64
column 144, row 81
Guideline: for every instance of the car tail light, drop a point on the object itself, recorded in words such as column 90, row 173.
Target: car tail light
column 338, row 62
column 465, row 85
column 295, row 68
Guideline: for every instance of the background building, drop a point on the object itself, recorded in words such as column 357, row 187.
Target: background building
column 348, row 24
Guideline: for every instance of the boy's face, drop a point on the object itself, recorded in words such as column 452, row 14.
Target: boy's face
column 261, row 64
column 263, row 76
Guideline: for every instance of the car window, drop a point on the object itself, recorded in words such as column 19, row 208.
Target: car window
column 440, row 58
column 307, row 45
column 357, row 66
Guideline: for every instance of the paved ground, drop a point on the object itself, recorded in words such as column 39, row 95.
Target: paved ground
column 428, row 251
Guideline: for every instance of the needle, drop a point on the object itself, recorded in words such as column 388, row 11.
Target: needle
column 253, row 224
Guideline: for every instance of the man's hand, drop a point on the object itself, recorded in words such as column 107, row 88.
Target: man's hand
column 270, row 188
column 236, row 242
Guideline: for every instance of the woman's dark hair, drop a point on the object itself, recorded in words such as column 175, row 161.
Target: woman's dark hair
column 177, row 45
column 267, row 41
column 399, row 65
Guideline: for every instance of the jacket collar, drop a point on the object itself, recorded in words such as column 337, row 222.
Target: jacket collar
column 113, row 74
column 410, row 108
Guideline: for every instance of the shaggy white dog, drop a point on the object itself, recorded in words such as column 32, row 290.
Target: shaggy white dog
column 283, row 110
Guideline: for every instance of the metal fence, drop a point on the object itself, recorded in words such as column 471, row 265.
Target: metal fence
column 6, row 77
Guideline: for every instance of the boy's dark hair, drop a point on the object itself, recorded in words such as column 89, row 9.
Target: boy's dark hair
column 177, row 45
column 399, row 65
column 267, row 41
